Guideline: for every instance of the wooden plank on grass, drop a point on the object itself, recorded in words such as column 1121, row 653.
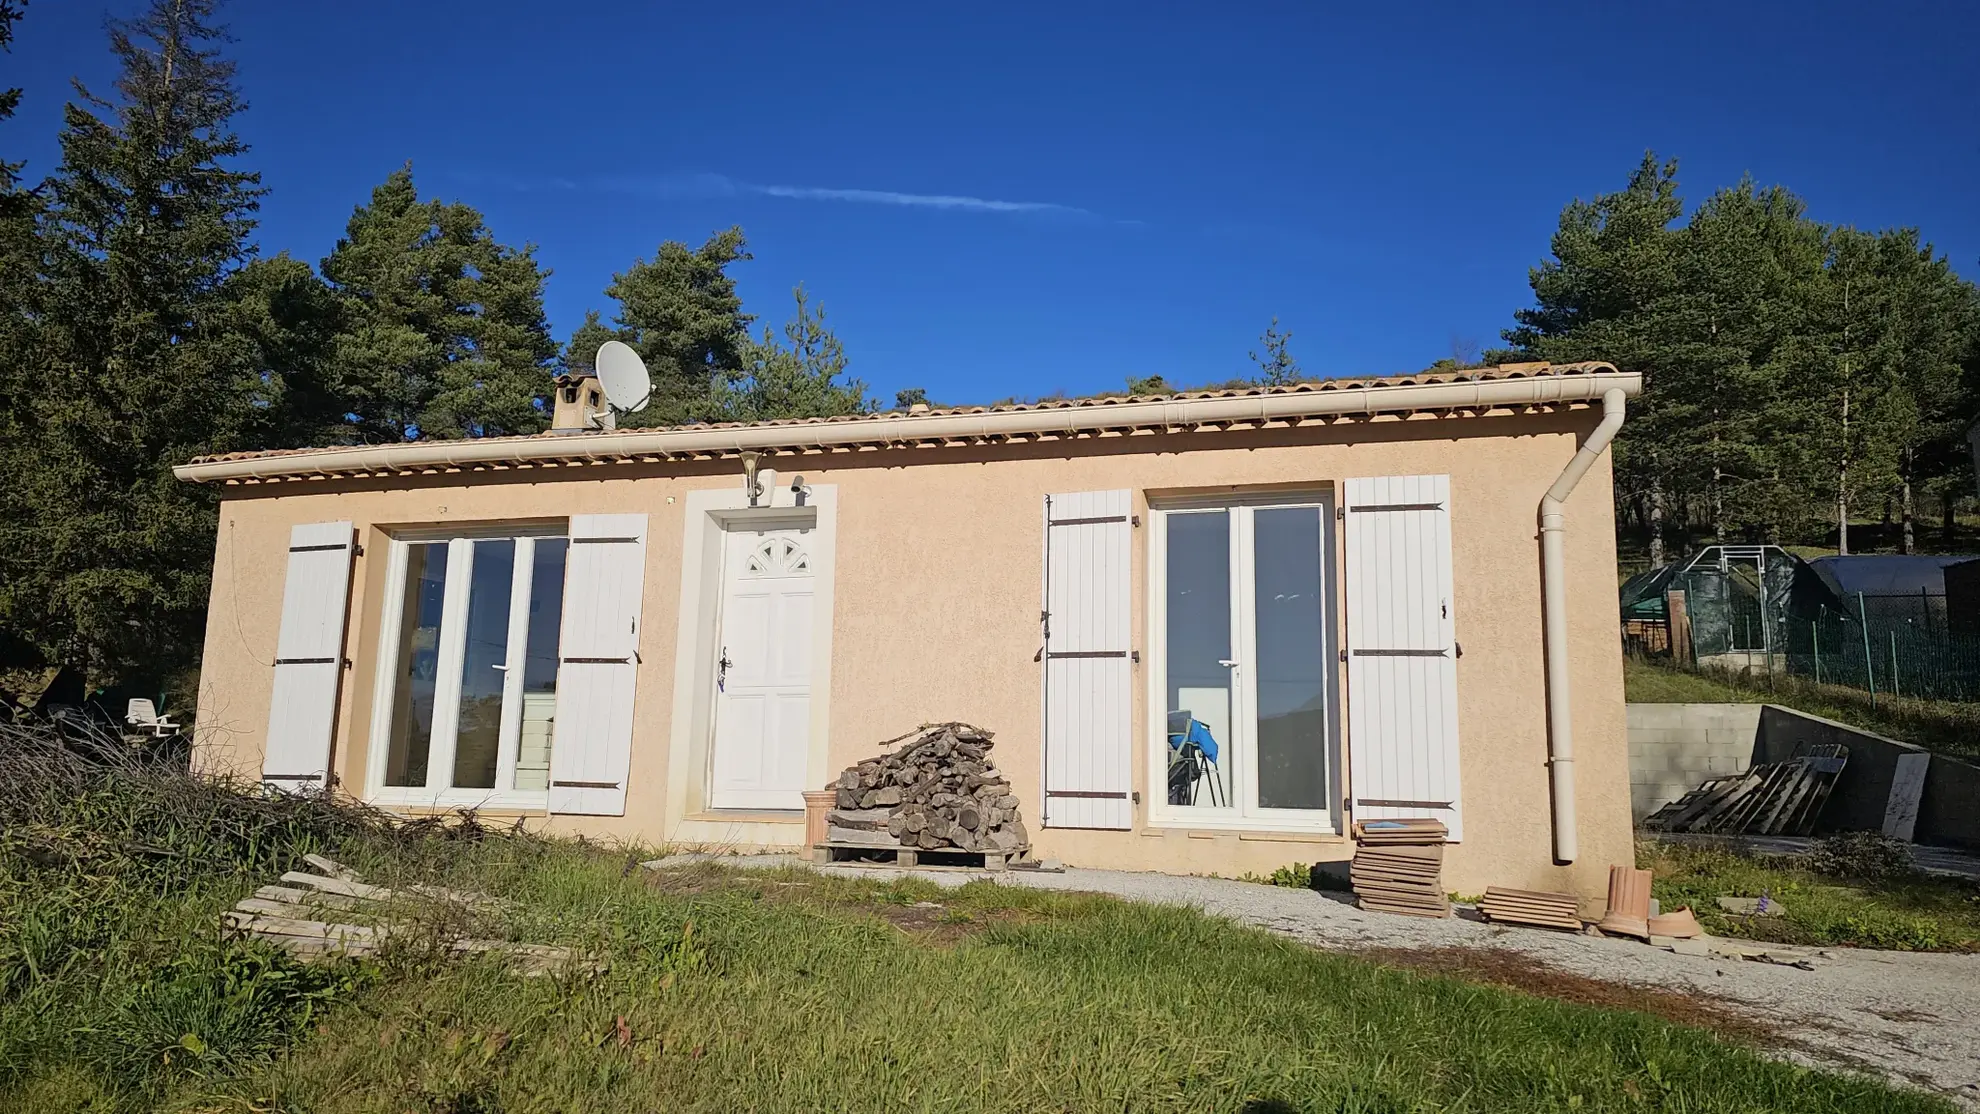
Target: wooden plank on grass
column 338, row 886
column 333, row 868
column 309, row 930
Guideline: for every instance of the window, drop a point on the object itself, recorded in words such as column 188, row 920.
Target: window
column 1243, row 675
column 468, row 694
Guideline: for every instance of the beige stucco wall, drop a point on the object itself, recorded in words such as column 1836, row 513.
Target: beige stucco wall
column 936, row 615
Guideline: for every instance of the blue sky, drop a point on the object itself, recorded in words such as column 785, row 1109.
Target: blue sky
column 1016, row 199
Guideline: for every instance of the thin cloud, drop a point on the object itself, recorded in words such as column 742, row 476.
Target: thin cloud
column 915, row 200
column 704, row 185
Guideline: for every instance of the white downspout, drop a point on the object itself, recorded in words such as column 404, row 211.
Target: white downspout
column 1553, row 590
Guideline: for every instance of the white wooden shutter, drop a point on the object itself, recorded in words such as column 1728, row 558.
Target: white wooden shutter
column 1402, row 650
column 309, row 656
column 1088, row 703
column 591, row 749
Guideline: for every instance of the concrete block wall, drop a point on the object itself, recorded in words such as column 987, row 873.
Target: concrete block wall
column 1674, row 747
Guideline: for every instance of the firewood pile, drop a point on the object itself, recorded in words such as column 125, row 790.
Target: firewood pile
column 938, row 791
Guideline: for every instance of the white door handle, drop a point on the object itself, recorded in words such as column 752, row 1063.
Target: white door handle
column 500, row 666
column 1227, row 663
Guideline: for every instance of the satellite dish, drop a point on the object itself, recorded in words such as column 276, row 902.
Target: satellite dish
column 623, row 375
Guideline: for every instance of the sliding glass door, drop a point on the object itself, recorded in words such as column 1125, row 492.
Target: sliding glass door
column 1245, row 672
column 469, row 693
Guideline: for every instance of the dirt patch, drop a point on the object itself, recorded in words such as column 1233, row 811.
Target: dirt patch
column 690, row 879
column 942, row 925
column 1527, row 975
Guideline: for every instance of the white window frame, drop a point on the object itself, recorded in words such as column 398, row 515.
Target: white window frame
column 440, row 754
column 1244, row 814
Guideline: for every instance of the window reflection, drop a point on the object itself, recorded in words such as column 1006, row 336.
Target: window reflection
column 419, row 660
column 1199, row 643
column 539, row 698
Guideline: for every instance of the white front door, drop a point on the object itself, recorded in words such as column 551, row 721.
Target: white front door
column 763, row 675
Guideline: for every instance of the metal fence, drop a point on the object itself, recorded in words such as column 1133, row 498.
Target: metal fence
column 1897, row 645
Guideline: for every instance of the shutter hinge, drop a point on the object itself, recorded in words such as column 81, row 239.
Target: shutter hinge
column 1343, row 657
column 357, row 549
column 1340, row 513
column 1134, row 519
column 1460, row 647
column 1136, row 655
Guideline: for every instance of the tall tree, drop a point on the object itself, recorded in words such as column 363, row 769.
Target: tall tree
column 804, row 376
column 681, row 313
column 103, row 556
column 442, row 331
column 1613, row 260
column 10, row 99
column 1882, row 375
column 1792, row 371
column 1276, row 366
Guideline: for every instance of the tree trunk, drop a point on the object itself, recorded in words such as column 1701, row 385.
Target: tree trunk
column 1907, row 511
column 1949, row 504
column 1842, row 512
column 1656, row 523
column 1842, row 473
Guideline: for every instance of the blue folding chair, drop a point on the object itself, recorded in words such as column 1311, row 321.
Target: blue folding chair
column 1192, row 760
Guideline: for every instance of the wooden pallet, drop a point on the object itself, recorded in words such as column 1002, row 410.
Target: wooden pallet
column 1780, row 798
column 946, row 858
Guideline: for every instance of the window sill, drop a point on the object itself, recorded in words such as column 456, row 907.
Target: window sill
column 1267, row 833
column 485, row 804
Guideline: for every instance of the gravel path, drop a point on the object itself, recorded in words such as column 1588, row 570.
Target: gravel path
column 1910, row 1017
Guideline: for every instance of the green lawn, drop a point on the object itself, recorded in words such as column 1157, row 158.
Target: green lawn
column 1911, row 913
column 1940, row 725
column 729, row 991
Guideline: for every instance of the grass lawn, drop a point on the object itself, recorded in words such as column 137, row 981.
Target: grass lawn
column 1910, row 913
column 733, row 992
column 1939, row 725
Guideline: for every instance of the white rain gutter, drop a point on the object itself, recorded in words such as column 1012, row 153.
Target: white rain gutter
column 1586, row 384
column 1553, row 590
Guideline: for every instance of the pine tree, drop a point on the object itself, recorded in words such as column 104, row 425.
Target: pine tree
column 104, row 557
column 442, row 332
column 1276, row 368
column 1613, row 259
column 10, row 99
column 681, row 313
column 803, row 377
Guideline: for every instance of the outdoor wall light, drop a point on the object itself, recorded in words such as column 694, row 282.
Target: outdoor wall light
column 753, row 488
column 798, row 491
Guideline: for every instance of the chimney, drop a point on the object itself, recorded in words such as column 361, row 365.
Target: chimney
column 580, row 406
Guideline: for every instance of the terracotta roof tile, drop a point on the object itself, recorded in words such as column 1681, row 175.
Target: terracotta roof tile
column 1503, row 371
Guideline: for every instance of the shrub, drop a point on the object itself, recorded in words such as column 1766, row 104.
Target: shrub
column 1863, row 856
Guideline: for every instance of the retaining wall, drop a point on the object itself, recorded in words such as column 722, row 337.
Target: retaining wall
column 1674, row 747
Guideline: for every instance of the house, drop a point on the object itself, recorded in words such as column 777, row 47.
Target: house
column 1375, row 598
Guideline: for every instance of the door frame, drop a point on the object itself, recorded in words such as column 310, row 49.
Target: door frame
column 385, row 680
column 733, row 528
column 1248, row 816
column 709, row 514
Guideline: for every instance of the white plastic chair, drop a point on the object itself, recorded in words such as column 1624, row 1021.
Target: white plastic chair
column 143, row 715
